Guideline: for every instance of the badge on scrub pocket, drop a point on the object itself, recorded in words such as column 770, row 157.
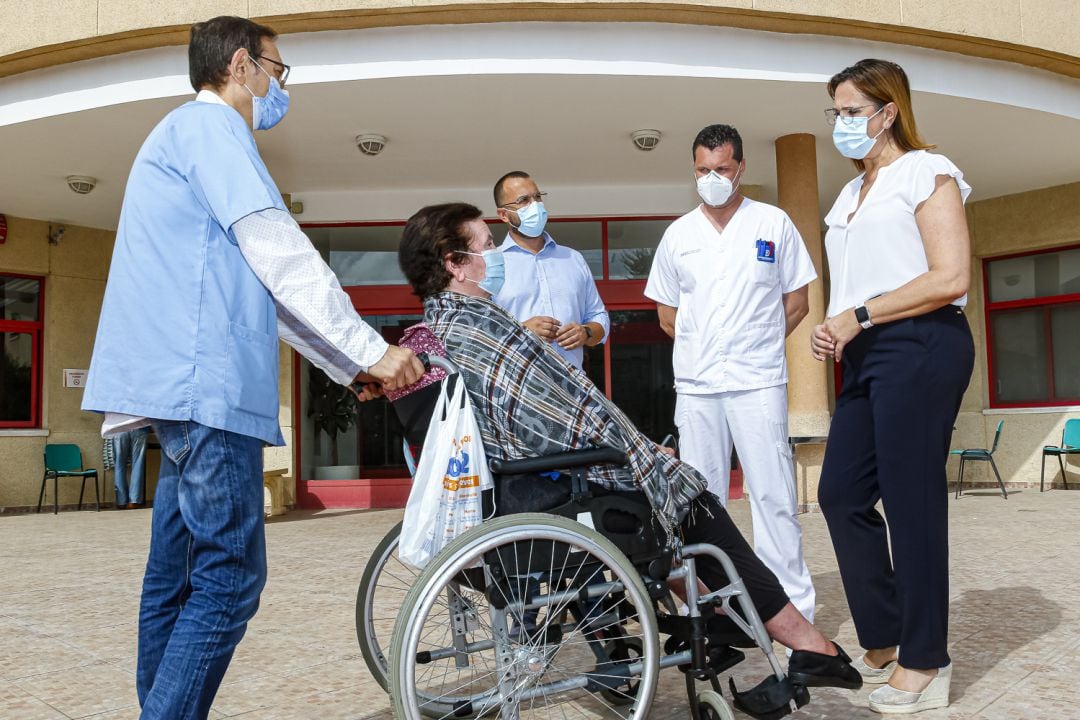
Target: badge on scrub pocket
column 766, row 251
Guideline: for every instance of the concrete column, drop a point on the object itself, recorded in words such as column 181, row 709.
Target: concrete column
column 808, row 383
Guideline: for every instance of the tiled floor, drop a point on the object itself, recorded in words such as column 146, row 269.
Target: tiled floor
column 70, row 590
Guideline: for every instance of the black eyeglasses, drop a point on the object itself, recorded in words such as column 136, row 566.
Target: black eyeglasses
column 282, row 66
column 525, row 200
column 845, row 115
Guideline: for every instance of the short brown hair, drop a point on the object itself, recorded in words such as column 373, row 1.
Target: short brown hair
column 503, row 180
column 429, row 235
column 213, row 43
column 885, row 82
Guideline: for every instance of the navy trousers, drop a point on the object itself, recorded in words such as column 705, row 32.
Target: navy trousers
column 902, row 386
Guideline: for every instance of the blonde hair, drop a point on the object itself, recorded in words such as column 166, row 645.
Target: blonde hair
column 885, row 82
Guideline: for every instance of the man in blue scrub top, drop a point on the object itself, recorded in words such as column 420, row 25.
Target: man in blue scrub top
column 209, row 270
column 549, row 288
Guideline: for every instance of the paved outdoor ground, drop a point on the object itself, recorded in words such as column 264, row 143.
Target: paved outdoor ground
column 70, row 587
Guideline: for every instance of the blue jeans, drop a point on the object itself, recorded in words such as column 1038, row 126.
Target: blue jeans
column 130, row 446
column 206, row 569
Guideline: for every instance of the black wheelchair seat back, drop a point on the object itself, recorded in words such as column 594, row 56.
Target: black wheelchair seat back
column 415, row 410
column 624, row 518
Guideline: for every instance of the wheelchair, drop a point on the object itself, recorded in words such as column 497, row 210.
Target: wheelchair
column 557, row 614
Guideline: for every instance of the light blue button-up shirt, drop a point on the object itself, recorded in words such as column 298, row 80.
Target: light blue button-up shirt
column 187, row 331
column 555, row 282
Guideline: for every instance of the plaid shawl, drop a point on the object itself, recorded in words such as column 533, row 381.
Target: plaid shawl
column 531, row 402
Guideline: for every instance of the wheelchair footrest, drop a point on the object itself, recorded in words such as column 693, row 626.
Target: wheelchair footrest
column 720, row 630
column 770, row 699
column 612, row 677
column 719, row 657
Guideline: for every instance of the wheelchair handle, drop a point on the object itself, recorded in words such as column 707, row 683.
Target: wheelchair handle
column 430, row 361
column 559, row 461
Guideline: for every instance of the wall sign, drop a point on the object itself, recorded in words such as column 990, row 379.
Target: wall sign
column 75, row 378
column 3, row 229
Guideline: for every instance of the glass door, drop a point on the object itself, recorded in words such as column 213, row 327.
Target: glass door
column 642, row 381
column 371, row 438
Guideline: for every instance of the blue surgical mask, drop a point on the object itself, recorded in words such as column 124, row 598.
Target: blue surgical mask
column 532, row 218
column 850, row 137
column 267, row 111
column 494, row 273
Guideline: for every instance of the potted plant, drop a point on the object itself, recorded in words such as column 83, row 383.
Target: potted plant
column 332, row 409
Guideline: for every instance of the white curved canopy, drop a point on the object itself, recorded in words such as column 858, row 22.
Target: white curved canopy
column 460, row 105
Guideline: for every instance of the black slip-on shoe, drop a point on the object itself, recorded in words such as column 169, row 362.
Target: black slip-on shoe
column 812, row 669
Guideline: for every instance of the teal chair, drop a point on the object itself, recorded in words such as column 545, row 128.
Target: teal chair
column 983, row 455
column 65, row 461
column 1070, row 445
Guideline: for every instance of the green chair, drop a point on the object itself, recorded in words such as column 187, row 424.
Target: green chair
column 62, row 461
column 983, row 455
column 1070, row 445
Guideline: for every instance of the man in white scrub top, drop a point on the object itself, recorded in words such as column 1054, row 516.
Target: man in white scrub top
column 730, row 283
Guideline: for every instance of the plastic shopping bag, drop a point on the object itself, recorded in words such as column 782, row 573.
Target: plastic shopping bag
column 445, row 497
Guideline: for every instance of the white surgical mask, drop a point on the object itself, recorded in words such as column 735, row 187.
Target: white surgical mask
column 850, row 137
column 715, row 189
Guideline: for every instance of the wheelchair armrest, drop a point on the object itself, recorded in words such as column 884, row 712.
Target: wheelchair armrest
column 559, row 461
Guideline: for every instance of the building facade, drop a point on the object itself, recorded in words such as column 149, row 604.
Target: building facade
column 463, row 92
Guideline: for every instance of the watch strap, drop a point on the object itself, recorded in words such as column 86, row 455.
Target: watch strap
column 862, row 316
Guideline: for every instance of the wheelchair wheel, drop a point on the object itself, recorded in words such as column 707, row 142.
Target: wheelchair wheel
column 712, row 706
column 383, row 587
column 470, row 647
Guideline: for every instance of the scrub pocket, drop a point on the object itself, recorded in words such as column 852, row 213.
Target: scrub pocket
column 251, row 371
column 686, row 358
column 766, row 273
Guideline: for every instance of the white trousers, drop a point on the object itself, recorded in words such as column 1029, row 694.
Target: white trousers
column 756, row 421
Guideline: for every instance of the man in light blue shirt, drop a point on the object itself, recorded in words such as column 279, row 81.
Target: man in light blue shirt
column 208, row 272
column 549, row 288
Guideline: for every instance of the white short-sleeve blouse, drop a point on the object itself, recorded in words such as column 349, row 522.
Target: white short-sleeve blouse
column 880, row 248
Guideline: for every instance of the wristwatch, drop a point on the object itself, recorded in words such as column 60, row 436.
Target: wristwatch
column 588, row 333
column 862, row 316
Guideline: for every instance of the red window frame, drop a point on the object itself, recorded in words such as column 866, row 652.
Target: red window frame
column 35, row 329
column 1046, row 304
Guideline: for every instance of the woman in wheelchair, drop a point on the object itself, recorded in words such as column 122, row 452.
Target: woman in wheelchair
column 529, row 402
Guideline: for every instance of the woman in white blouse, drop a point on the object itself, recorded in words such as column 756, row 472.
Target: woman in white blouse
column 899, row 258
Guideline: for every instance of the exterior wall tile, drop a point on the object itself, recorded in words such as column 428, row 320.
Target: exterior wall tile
column 880, row 11
column 81, row 253
column 120, row 15
column 883, row 11
column 20, row 473
column 266, row 8
column 1052, row 24
column 732, row 4
column 997, row 19
column 29, row 25
column 72, row 307
column 1035, row 23
column 1043, row 218
column 26, row 249
column 977, row 395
